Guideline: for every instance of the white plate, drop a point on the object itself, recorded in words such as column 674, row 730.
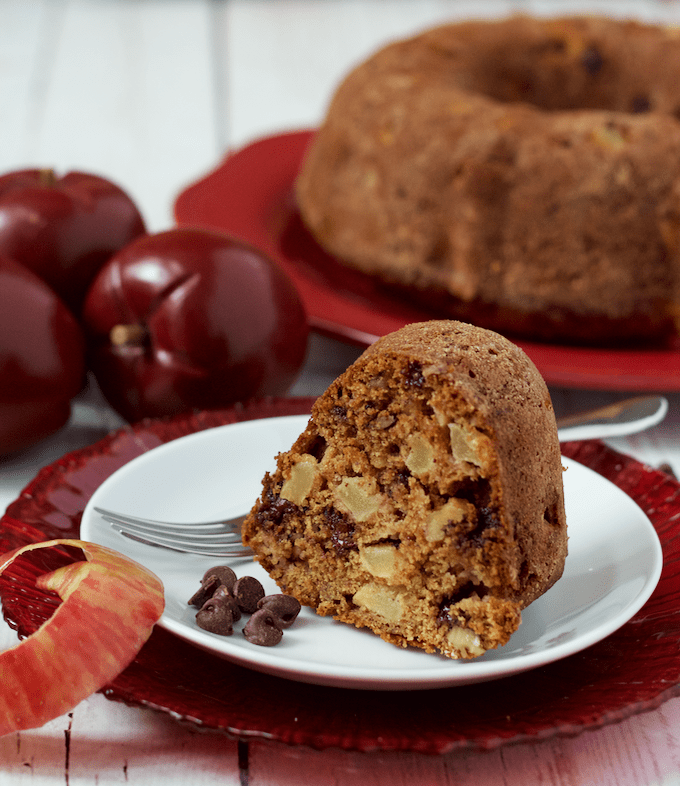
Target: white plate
column 613, row 566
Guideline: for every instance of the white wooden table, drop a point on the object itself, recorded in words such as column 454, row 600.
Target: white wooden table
column 152, row 93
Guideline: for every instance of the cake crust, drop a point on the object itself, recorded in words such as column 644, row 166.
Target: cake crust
column 424, row 500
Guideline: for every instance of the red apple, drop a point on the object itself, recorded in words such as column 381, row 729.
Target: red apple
column 42, row 358
column 191, row 319
column 64, row 228
column 110, row 605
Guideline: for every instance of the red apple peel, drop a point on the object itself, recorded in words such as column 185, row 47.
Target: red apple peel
column 109, row 607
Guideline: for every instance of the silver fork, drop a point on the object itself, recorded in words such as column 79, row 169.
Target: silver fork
column 206, row 538
column 223, row 538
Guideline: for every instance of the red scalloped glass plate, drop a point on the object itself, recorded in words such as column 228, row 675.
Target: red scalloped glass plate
column 633, row 670
column 250, row 195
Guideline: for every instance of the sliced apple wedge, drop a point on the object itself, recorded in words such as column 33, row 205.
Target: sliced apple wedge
column 109, row 607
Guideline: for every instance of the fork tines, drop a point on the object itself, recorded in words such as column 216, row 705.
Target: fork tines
column 216, row 538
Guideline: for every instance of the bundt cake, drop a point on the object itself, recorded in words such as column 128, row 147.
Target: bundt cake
column 522, row 174
column 424, row 499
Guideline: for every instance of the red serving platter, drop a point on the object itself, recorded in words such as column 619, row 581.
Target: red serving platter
column 250, row 195
column 633, row 670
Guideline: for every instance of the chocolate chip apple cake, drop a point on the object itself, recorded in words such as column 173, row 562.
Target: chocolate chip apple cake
column 424, row 499
column 520, row 173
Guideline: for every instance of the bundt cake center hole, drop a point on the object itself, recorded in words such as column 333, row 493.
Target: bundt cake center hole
column 558, row 76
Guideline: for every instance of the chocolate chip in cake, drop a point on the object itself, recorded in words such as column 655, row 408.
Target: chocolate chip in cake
column 340, row 413
column 592, row 60
column 317, row 447
column 551, row 515
column 487, row 519
column 474, row 490
column 640, row 104
column 413, row 374
column 341, row 531
column 448, row 614
column 273, row 509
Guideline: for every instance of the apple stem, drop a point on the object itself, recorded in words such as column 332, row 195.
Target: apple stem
column 48, row 177
column 127, row 334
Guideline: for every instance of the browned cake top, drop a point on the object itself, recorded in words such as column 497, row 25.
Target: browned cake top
column 526, row 168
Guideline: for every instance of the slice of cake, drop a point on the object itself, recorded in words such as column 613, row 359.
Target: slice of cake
column 424, row 500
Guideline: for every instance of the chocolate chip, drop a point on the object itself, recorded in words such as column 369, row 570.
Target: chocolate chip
column 284, row 607
column 317, row 447
column 640, row 104
column 487, row 522
column 223, row 595
column 216, row 617
column 402, row 476
column 225, row 575
column 263, row 629
column 340, row 413
column 273, row 510
column 341, row 531
column 212, row 580
column 592, row 60
column 413, row 374
column 248, row 592
column 449, row 616
column 206, row 591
